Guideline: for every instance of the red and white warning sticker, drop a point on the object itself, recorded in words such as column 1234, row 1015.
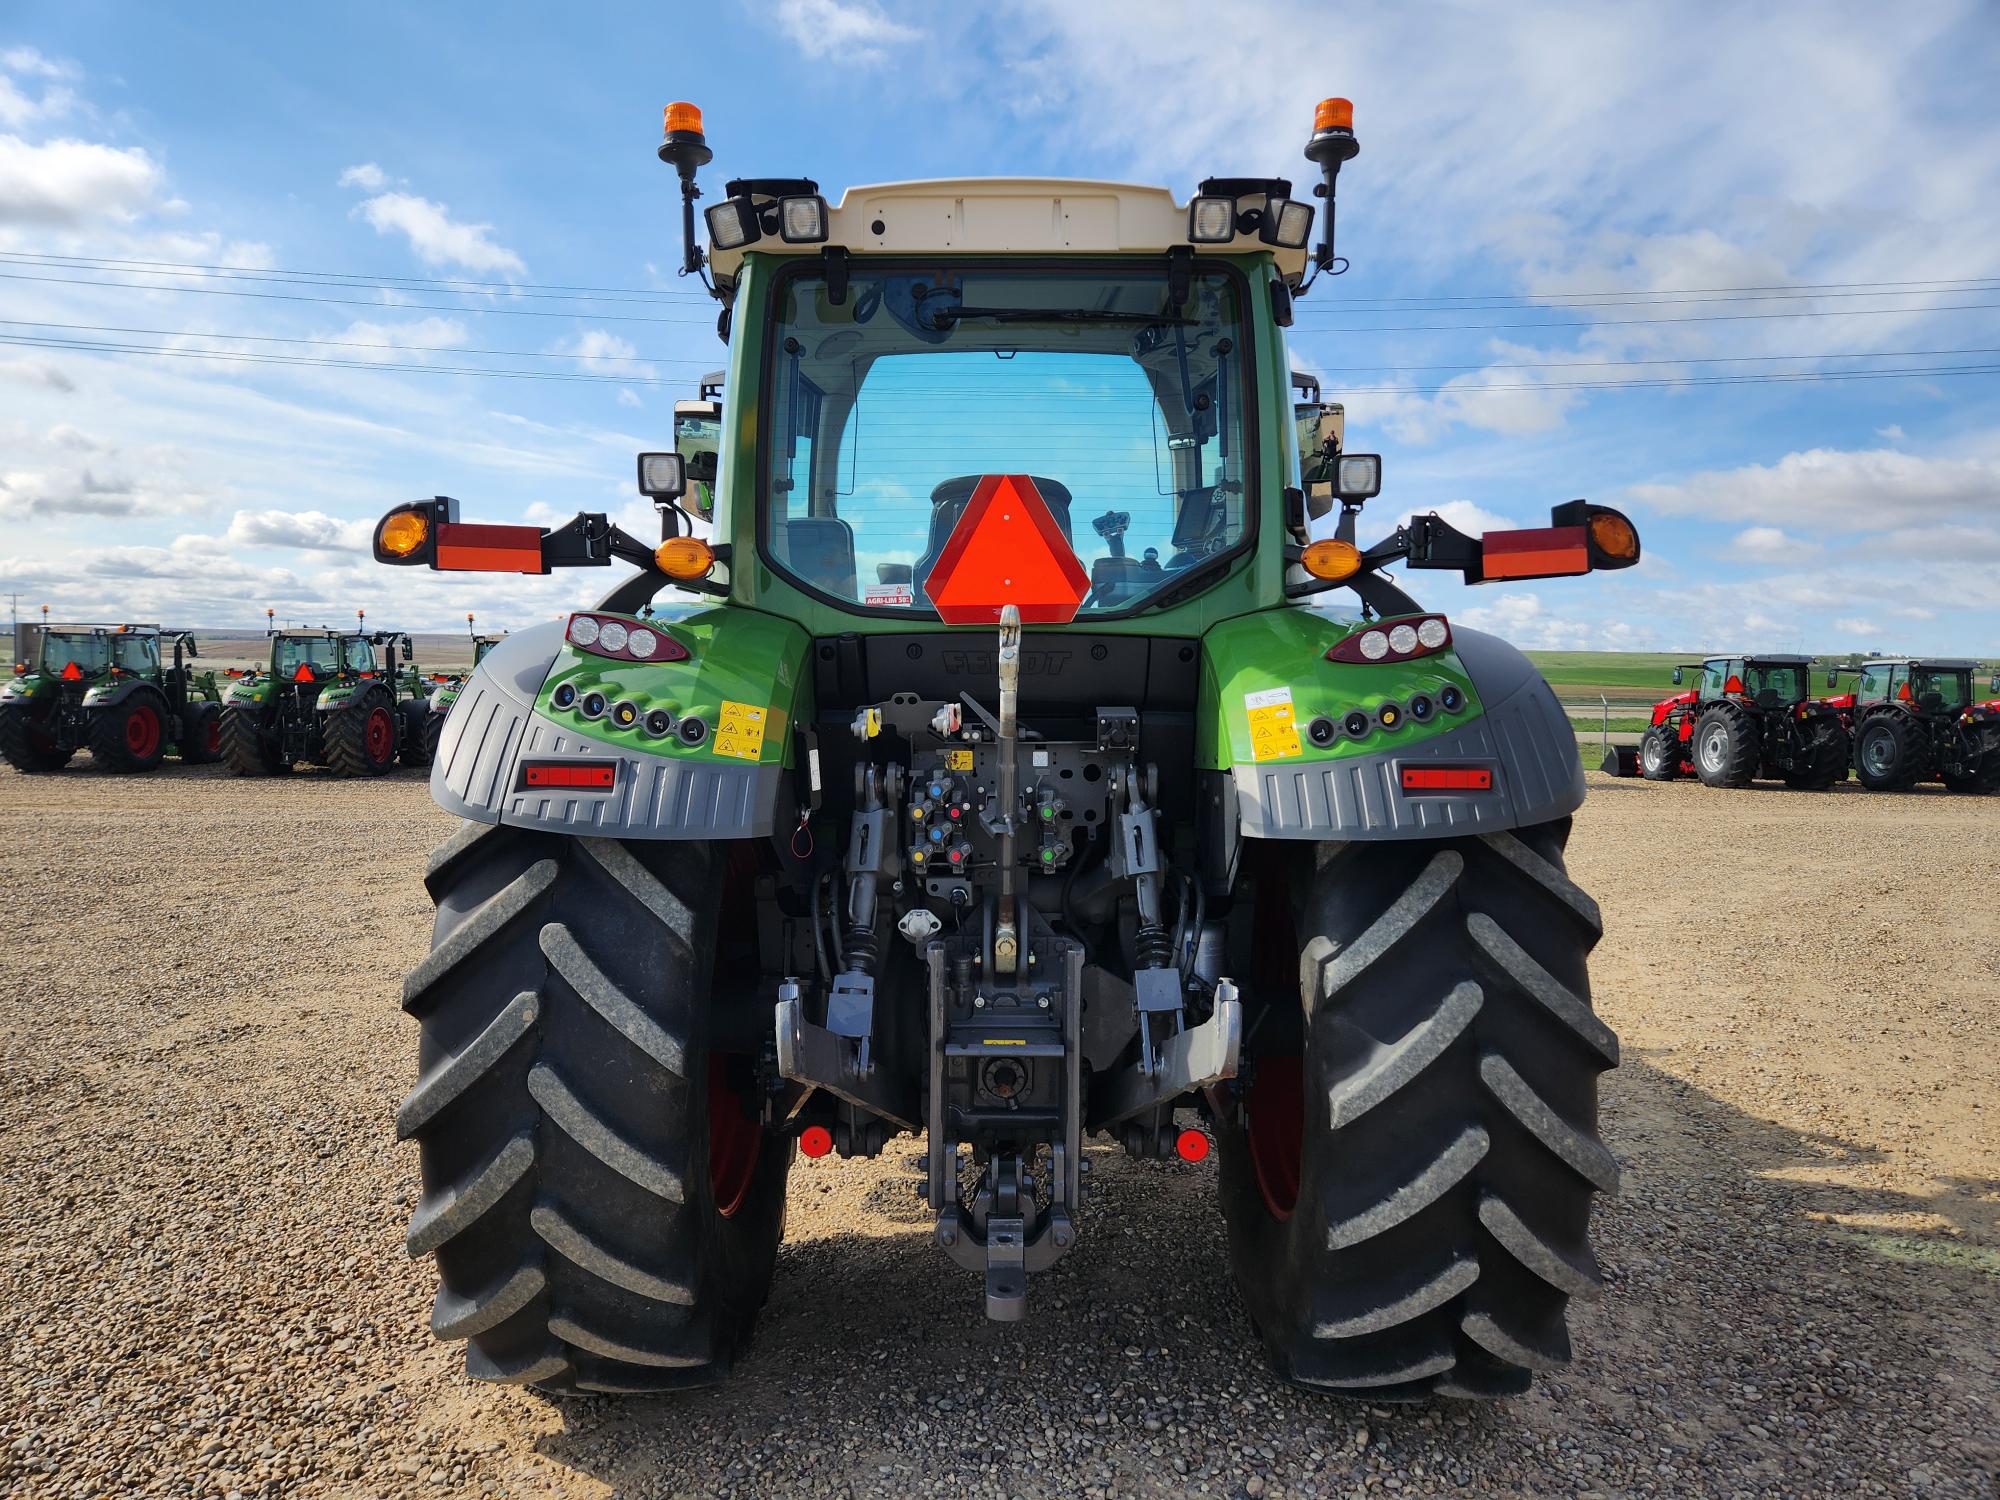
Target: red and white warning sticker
column 888, row 595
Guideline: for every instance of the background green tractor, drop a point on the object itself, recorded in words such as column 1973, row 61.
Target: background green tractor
column 446, row 686
column 105, row 688
column 351, row 701
column 1007, row 787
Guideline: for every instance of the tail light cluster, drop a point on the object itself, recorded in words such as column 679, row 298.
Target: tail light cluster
column 622, row 640
column 1402, row 639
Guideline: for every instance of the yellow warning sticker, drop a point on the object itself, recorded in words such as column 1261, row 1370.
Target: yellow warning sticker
column 958, row 760
column 741, row 733
column 1274, row 734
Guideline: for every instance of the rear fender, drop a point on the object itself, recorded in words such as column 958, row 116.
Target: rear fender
column 1280, row 761
column 113, row 691
column 745, row 682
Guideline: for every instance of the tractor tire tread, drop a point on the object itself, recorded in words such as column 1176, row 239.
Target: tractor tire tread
column 18, row 747
column 344, row 734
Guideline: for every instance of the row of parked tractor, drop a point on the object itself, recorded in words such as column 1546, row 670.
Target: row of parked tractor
column 1902, row 721
column 354, row 701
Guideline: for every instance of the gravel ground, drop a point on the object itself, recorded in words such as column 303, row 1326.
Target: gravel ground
column 202, row 1206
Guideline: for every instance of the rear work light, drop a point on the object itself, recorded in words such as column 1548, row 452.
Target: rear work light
column 623, row 640
column 1403, row 639
column 1447, row 779
column 569, row 775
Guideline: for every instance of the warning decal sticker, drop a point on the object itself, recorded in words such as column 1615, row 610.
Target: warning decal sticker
column 741, row 733
column 1274, row 734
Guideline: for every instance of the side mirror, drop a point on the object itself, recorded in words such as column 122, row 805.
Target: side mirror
column 662, row 476
column 1677, row 676
column 1833, row 678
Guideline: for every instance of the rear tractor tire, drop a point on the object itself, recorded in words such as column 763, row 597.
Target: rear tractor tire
column 247, row 745
column 1886, row 757
column 360, row 736
column 26, row 745
column 1408, row 1193
column 1660, row 753
column 130, row 735
column 602, row 1198
column 201, row 743
column 1984, row 775
column 421, row 729
column 1725, row 748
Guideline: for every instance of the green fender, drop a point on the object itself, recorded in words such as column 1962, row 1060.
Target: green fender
column 1294, row 745
column 698, row 747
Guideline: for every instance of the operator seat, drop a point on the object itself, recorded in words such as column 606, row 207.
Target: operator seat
column 948, row 502
column 1768, row 698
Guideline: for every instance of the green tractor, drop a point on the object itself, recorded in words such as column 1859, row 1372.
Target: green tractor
column 448, row 685
column 106, row 689
column 352, row 701
column 1009, row 789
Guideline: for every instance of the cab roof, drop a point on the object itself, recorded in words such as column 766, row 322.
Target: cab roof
column 1775, row 658
column 1009, row 216
column 1928, row 663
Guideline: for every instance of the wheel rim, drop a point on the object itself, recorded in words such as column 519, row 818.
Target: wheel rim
column 380, row 735
column 1277, row 1132
column 142, row 731
column 212, row 740
column 734, row 1138
column 1711, row 750
column 1652, row 754
column 1878, row 754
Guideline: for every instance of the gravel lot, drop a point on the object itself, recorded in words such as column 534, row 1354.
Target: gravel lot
column 202, row 1205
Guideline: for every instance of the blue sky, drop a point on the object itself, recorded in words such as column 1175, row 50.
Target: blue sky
column 1511, row 158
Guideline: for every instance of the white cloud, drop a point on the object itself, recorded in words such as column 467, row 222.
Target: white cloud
column 628, row 397
column 603, row 353
column 28, row 60
column 35, row 372
column 438, row 238
column 847, row 31
column 1868, row 490
column 1893, row 432
column 17, row 109
column 1855, row 625
column 69, row 182
column 367, row 176
column 308, row 530
column 1767, row 542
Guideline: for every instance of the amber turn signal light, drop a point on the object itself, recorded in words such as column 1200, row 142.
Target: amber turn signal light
column 683, row 116
column 1331, row 560
column 1614, row 536
column 684, row 557
column 403, row 533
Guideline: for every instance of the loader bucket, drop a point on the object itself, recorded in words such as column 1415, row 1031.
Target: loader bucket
column 1620, row 760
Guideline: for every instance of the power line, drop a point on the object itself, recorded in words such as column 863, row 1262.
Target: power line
column 1938, row 283
column 218, row 291
column 1768, row 378
column 367, row 278
column 1843, row 312
column 1623, row 364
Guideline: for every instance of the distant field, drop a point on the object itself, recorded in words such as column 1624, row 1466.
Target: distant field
column 1627, row 676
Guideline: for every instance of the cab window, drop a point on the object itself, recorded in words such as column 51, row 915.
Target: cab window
column 1874, row 684
column 1713, row 675
column 1775, row 683
column 1939, row 691
column 135, row 653
column 359, row 654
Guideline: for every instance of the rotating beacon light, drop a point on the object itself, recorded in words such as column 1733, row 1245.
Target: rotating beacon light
column 1332, row 144
column 684, row 149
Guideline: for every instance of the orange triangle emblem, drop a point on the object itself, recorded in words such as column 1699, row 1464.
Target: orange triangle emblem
column 1007, row 549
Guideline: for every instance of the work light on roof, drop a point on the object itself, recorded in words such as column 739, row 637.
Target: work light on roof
column 732, row 224
column 1212, row 221
column 1287, row 222
column 802, row 220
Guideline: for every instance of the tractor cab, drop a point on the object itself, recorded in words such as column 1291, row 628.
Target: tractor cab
column 1764, row 681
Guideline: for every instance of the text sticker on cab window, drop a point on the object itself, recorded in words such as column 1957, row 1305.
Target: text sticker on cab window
column 888, row 595
column 741, row 732
column 1273, row 732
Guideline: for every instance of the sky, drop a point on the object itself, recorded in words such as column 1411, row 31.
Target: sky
column 1737, row 274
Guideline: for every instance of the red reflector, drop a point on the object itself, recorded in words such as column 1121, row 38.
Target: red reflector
column 72, row 672
column 1007, row 549
column 1191, row 1145
column 466, row 548
column 815, row 1140
column 1447, row 779
column 1544, row 552
column 591, row 775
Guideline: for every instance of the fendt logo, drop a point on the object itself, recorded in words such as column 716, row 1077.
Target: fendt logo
column 981, row 663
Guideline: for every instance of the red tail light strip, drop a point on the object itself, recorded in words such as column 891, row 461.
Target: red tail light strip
column 574, row 775
column 1447, row 779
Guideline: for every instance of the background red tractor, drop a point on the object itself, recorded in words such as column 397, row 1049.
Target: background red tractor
column 1914, row 719
column 1749, row 717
